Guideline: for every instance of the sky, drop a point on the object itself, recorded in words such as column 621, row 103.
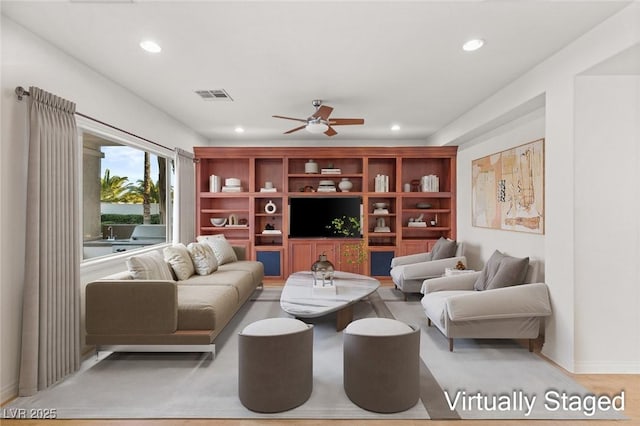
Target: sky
column 127, row 161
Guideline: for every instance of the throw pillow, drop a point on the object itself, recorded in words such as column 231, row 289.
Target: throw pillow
column 443, row 249
column 221, row 248
column 149, row 266
column 502, row 271
column 203, row 258
column 180, row 260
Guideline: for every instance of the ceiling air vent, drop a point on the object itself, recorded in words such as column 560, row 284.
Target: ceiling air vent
column 214, row 95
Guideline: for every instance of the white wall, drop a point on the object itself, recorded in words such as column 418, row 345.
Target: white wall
column 607, row 216
column 566, row 342
column 30, row 61
column 479, row 243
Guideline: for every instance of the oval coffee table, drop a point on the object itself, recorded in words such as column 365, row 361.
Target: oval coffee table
column 300, row 299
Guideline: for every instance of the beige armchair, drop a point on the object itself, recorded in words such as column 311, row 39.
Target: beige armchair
column 408, row 272
column 459, row 309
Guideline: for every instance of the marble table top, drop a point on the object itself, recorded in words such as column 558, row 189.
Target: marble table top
column 300, row 299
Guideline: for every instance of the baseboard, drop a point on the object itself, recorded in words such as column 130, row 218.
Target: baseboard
column 607, row 367
column 8, row 392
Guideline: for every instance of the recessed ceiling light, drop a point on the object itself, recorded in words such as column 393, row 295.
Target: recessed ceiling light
column 472, row 45
column 150, row 46
column 395, row 127
column 239, row 129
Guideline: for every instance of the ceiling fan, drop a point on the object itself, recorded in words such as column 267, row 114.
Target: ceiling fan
column 319, row 121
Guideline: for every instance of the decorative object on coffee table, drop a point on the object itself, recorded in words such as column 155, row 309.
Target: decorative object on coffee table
column 323, row 271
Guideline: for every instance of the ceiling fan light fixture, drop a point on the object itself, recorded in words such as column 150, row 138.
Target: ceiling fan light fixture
column 316, row 127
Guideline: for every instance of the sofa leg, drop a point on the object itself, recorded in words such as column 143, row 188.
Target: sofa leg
column 530, row 345
column 450, row 344
column 428, row 322
column 406, row 297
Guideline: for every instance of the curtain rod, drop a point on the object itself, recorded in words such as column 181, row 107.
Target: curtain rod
column 21, row 92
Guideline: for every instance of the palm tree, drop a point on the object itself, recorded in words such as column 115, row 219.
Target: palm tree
column 135, row 192
column 113, row 188
column 146, row 202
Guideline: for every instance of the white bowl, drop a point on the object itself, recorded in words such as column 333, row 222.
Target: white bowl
column 218, row 221
column 232, row 182
column 380, row 205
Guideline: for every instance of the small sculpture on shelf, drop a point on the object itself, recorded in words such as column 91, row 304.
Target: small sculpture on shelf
column 381, row 226
column 417, row 222
column 380, row 208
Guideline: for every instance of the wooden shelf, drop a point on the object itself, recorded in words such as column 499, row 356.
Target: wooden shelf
column 284, row 167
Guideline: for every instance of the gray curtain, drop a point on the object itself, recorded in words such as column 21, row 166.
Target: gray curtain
column 51, row 301
column 184, row 228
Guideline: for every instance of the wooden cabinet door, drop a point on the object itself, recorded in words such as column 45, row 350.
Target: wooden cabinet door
column 351, row 259
column 301, row 256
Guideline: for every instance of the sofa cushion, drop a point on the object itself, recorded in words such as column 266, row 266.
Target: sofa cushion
column 241, row 281
column 256, row 269
column 221, row 248
column 180, row 260
column 205, row 307
column 443, row 249
column 149, row 266
column 204, row 260
column 502, row 271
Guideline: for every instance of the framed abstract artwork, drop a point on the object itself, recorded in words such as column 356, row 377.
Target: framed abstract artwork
column 507, row 189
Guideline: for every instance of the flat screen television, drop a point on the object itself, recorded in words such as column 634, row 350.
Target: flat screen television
column 309, row 217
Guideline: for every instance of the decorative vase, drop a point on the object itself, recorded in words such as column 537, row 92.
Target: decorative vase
column 270, row 207
column 311, row 167
column 345, row 185
column 322, row 271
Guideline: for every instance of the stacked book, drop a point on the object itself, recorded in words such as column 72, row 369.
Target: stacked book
column 330, row 171
column 327, row 186
column 232, row 189
column 381, row 183
column 430, row 183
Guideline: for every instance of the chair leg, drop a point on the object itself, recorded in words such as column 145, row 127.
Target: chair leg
column 428, row 322
column 530, row 345
column 450, row 344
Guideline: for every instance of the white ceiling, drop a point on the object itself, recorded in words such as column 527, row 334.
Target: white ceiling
column 388, row 62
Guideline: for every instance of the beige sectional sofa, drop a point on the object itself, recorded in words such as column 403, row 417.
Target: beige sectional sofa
column 127, row 313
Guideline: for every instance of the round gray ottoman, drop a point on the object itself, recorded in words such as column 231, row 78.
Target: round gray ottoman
column 275, row 368
column 382, row 364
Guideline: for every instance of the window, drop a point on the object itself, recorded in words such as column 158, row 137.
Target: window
column 126, row 194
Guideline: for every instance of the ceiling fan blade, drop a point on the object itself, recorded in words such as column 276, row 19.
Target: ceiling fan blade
column 330, row 131
column 290, row 118
column 295, row 130
column 345, row 121
column 323, row 112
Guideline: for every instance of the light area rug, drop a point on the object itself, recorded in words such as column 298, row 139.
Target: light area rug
column 192, row 385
